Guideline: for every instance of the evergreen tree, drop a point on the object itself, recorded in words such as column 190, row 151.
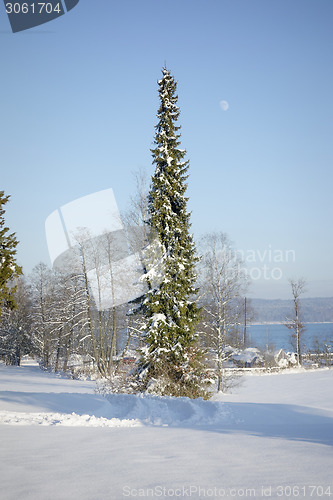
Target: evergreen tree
column 9, row 270
column 172, row 358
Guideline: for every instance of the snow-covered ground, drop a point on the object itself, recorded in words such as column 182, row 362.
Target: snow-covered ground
column 59, row 440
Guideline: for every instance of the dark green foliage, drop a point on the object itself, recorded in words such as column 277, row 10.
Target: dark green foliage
column 9, row 270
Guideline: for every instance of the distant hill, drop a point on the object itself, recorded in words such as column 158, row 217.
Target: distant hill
column 313, row 310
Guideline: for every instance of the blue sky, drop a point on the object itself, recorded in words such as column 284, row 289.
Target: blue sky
column 78, row 109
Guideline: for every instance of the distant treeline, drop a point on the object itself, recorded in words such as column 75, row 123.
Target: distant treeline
column 313, row 310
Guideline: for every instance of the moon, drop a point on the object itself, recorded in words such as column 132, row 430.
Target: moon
column 224, row 105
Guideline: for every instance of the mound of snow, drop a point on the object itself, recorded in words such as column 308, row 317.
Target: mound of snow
column 166, row 411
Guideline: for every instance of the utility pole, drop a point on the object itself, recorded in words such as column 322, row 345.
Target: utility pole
column 245, row 324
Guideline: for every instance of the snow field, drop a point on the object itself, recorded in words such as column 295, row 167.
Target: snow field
column 272, row 437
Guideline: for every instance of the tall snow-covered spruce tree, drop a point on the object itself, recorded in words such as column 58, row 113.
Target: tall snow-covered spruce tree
column 172, row 362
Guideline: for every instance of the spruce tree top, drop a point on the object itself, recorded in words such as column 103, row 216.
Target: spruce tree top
column 167, row 201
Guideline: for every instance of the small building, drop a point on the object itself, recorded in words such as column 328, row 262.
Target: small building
column 247, row 358
column 285, row 359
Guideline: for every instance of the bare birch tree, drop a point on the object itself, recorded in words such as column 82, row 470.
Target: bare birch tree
column 16, row 326
column 43, row 292
column 136, row 217
column 294, row 324
column 105, row 285
column 224, row 282
column 68, row 319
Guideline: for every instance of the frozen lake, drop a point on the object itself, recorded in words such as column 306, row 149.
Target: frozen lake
column 278, row 335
